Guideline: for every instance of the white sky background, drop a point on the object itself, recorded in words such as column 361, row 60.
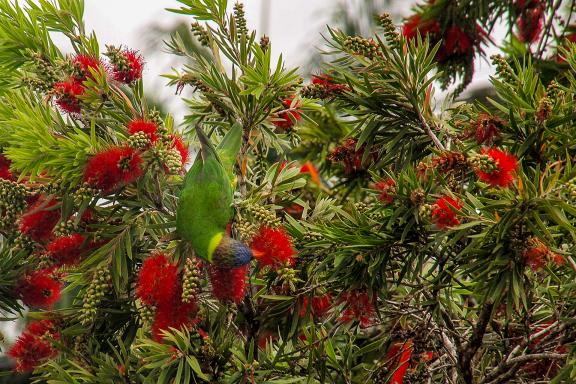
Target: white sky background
column 293, row 27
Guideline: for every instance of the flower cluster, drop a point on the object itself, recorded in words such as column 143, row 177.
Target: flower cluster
column 536, row 255
column 317, row 306
column 40, row 218
column 159, row 285
column 149, row 128
column 387, row 189
column 113, row 168
column 127, row 65
column 357, row 307
column 288, row 117
column 39, row 289
column 272, row 247
column 457, row 42
column 444, row 212
column 485, row 129
column 67, row 95
column 498, row 167
column 446, row 161
column 398, row 360
column 323, row 87
column 34, row 346
column 66, row 250
column 530, row 19
column 349, row 156
column 228, row 284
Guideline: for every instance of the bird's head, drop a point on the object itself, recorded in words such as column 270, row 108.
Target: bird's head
column 231, row 253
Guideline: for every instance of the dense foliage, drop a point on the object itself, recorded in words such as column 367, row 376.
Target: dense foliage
column 393, row 241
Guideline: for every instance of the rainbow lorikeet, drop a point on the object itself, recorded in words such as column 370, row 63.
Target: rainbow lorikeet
column 205, row 205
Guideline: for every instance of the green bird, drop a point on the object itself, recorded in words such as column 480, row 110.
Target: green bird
column 205, row 205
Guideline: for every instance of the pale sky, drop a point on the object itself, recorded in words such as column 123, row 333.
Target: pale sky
column 294, row 27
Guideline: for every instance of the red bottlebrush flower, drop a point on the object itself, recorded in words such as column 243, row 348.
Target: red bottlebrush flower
column 327, row 85
column 444, row 212
column 5, row 168
column 358, row 307
column 173, row 313
column 179, row 144
column 456, row 42
column 348, row 155
column 39, row 289
column 294, row 210
column 158, row 280
column 398, row 358
column 84, row 65
column 506, row 164
column 113, row 168
column 34, row 346
column 414, row 25
column 39, row 220
column 322, row 80
column 265, row 337
column 530, row 19
column 537, row 254
column 287, row 119
column 272, row 247
column 387, row 189
column 66, row 250
column 486, row 129
column 67, row 93
column 310, row 169
column 148, row 127
column 131, row 68
column 228, row 284
column 318, row 306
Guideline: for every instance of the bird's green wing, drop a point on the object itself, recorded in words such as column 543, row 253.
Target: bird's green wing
column 205, row 204
column 229, row 147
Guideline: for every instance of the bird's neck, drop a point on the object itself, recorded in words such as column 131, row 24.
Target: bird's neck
column 214, row 242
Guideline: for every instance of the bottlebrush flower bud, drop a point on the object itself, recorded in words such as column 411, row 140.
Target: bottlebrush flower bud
column 98, row 288
column 392, row 35
column 201, row 34
column 544, row 110
column 240, row 19
column 139, row 141
column 361, row 46
column 191, row 280
column 264, row 43
column 503, row 69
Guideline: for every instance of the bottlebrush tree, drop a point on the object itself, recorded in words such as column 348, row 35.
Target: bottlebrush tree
column 391, row 241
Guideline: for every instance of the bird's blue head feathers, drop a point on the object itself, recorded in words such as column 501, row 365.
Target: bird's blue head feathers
column 231, row 253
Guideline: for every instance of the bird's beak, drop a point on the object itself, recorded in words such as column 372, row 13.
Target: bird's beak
column 257, row 254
